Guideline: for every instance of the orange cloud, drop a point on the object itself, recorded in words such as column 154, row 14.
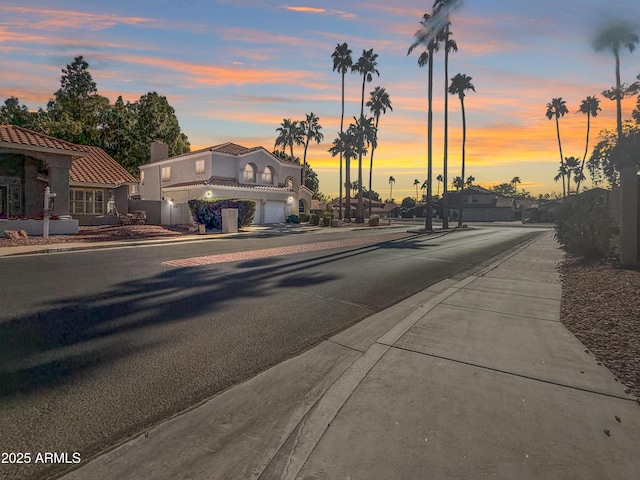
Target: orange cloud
column 39, row 19
column 319, row 11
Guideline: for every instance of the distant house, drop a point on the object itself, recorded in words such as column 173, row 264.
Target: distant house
column 85, row 179
column 483, row 205
column 227, row 170
column 383, row 209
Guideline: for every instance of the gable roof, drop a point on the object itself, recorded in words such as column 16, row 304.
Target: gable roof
column 98, row 167
column 13, row 136
column 228, row 148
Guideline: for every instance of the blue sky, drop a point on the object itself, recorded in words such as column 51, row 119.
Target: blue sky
column 234, row 69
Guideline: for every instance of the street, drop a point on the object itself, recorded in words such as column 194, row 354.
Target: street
column 100, row 345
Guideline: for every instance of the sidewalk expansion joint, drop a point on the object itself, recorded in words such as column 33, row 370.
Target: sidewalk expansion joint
column 519, row 375
column 499, row 312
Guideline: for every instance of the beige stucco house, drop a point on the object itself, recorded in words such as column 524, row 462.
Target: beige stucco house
column 227, row 170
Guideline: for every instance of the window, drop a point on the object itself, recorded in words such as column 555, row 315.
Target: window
column 267, row 176
column 250, row 173
column 166, row 174
column 86, row 201
column 199, row 167
column 142, row 177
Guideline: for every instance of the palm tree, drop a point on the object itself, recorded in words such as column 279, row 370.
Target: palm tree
column 342, row 62
column 469, row 181
column 309, row 130
column 440, row 179
column 614, row 37
column 416, row 182
column 344, row 145
column 377, row 103
column 391, row 182
column 557, row 108
column 459, row 85
column 365, row 66
column 364, row 132
column 590, row 107
column 288, row 134
column 515, row 181
column 457, row 183
column 424, row 187
column 428, row 36
column 572, row 167
column 449, row 45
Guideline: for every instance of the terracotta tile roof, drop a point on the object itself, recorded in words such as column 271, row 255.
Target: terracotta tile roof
column 227, row 182
column 503, row 202
column 230, row 148
column 28, row 138
column 98, row 167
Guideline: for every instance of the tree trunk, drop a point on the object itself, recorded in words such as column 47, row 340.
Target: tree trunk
column 464, row 141
column 445, row 199
column 371, row 168
column 341, row 127
column 428, row 223
column 586, row 150
column 564, row 194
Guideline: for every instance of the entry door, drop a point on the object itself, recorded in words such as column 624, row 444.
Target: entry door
column 4, row 201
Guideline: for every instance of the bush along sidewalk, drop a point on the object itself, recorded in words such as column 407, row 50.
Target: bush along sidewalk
column 584, row 227
column 208, row 212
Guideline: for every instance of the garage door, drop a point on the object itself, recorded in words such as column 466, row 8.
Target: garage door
column 273, row 212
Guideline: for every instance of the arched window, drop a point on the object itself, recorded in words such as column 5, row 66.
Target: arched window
column 300, row 206
column 267, row 176
column 250, row 173
column 289, row 183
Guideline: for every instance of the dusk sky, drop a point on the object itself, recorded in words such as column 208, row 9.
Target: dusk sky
column 234, row 69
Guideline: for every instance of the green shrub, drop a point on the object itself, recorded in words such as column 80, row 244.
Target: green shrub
column 304, row 217
column 374, row 220
column 208, row 211
column 315, row 219
column 326, row 220
column 584, row 227
column 293, row 219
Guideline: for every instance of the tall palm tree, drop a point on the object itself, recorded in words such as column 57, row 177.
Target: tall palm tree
column 364, row 132
column 288, row 134
column 613, row 37
column 443, row 6
column 457, row 183
column 378, row 103
column 416, row 182
column 342, row 62
column 469, row 181
column 440, row 179
column 556, row 109
column 391, row 182
column 344, row 144
column 590, row 106
column 515, row 181
column 428, row 36
column 365, row 66
column 310, row 130
column 459, row 85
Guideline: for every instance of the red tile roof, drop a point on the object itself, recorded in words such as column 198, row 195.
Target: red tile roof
column 227, row 182
column 98, row 167
column 28, row 138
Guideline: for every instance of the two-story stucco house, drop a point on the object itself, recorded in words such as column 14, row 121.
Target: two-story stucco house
column 223, row 171
column 483, row 205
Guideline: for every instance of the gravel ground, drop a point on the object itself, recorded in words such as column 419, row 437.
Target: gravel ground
column 601, row 307
column 103, row 233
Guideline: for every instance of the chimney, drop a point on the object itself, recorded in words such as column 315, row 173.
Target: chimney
column 159, row 151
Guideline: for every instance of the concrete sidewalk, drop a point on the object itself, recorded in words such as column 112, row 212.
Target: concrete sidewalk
column 470, row 378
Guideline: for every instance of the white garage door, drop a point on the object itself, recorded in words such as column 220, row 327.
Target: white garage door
column 273, row 212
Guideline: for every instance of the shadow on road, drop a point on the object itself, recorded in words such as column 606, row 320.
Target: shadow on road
column 71, row 336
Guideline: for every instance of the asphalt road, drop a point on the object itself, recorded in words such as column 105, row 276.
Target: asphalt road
column 100, row 345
